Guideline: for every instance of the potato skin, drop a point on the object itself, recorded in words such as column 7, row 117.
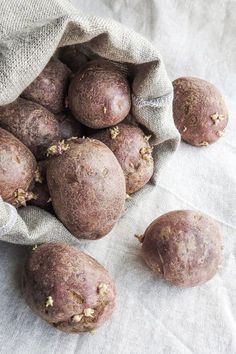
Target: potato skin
column 17, row 166
column 50, row 87
column 72, row 57
column 184, row 246
column 32, row 124
column 69, row 126
column 87, row 187
column 200, row 113
column 99, row 95
column 127, row 147
column 41, row 188
column 73, row 280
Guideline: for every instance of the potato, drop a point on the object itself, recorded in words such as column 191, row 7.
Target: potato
column 32, row 124
column 50, row 87
column 200, row 113
column 99, row 95
column 69, row 126
column 40, row 190
column 67, row 288
column 131, row 148
column 71, row 56
column 184, row 247
column 17, row 168
column 87, row 187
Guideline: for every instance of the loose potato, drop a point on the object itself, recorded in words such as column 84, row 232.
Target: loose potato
column 32, row 124
column 17, row 168
column 50, row 87
column 87, row 187
column 131, row 148
column 40, row 190
column 69, row 126
column 71, row 56
column 99, row 95
column 67, row 288
column 185, row 247
column 200, row 113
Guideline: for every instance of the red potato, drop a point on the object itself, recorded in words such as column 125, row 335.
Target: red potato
column 17, row 168
column 69, row 126
column 200, row 113
column 71, row 56
column 32, row 124
column 184, row 247
column 87, row 187
column 99, row 95
column 50, row 87
column 67, row 288
column 133, row 151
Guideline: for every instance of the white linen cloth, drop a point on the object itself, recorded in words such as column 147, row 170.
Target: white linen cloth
column 196, row 38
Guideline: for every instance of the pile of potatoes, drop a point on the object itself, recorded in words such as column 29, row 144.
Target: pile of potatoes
column 83, row 180
column 67, row 147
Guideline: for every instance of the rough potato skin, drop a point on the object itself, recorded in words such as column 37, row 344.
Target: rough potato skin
column 69, row 126
column 73, row 280
column 185, row 247
column 17, row 166
column 200, row 113
column 72, row 57
column 99, row 95
column 40, row 189
column 50, row 87
column 87, row 187
column 127, row 147
column 32, row 124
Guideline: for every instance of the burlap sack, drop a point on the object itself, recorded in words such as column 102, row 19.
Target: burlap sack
column 30, row 32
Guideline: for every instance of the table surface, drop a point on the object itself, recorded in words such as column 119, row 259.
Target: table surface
column 196, row 38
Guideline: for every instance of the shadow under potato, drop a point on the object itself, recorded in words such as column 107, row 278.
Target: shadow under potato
column 13, row 258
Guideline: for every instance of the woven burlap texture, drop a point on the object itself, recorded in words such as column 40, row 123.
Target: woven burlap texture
column 30, row 33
